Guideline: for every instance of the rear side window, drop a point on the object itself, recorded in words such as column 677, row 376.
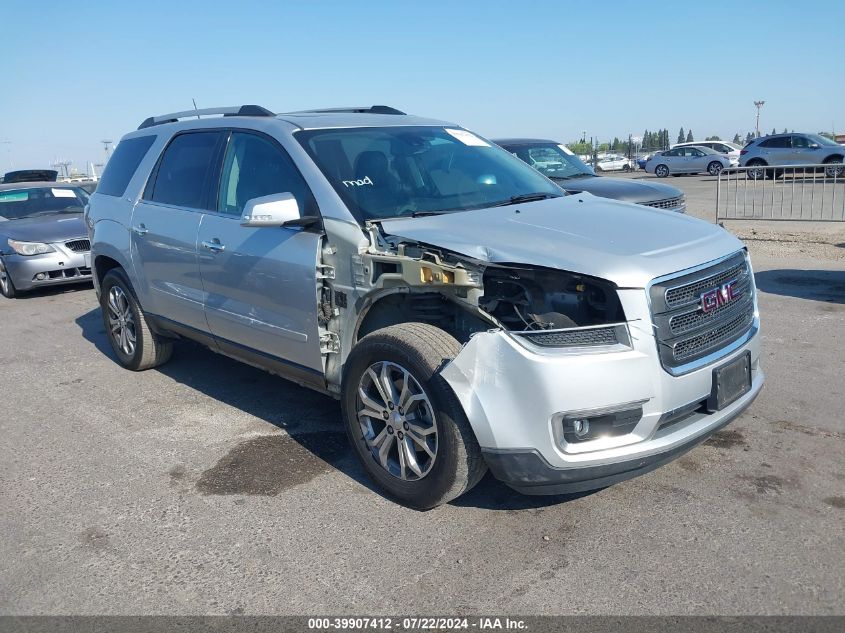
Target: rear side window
column 122, row 165
column 185, row 170
column 780, row 142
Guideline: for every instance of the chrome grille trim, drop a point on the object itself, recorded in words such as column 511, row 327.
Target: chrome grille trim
column 81, row 245
column 685, row 333
column 668, row 203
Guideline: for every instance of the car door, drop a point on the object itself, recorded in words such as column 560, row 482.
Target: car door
column 804, row 151
column 698, row 160
column 777, row 150
column 260, row 283
column 165, row 223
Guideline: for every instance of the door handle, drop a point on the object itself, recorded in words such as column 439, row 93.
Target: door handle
column 214, row 246
column 140, row 230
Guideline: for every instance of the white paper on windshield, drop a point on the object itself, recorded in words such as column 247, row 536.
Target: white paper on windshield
column 566, row 150
column 468, row 138
column 63, row 193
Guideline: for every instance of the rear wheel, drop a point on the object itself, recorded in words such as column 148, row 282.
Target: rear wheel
column 661, row 171
column 7, row 287
column 626, row 168
column 406, row 425
column 136, row 346
column 714, row 168
column 758, row 173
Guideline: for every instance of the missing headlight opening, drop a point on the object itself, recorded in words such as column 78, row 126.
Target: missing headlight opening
column 537, row 299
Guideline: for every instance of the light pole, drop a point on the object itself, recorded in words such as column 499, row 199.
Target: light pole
column 758, row 105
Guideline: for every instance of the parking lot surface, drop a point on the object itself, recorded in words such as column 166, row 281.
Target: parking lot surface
column 207, row 486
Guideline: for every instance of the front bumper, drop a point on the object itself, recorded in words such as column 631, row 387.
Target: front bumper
column 60, row 267
column 514, row 397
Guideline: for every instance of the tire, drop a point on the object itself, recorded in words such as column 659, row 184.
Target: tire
column 446, row 460
column 756, row 174
column 661, row 171
column 626, row 168
column 834, row 172
column 714, row 168
column 7, row 287
column 123, row 314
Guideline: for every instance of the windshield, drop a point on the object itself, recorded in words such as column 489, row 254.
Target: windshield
column 821, row 140
column 551, row 160
column 23, row 203
column 398, row 171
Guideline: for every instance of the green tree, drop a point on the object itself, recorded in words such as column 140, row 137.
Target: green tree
column 580, row 148
column 749, row 137
column 774, row 131
column 713, row 138
column 737, row 139
column 690, row 137
column 681, row 136
column 785, row 131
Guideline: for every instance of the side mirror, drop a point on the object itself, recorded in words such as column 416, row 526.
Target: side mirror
column 814, row 146
column 277, row 209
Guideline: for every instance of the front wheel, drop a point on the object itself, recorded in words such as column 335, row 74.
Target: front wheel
column 626, row 168
column 835, row 170
column 405, row 423
column 136, row 346
column 7, row 286
column 661, row 171
column 715, row 168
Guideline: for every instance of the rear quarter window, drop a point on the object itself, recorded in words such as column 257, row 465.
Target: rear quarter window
column 122, row 165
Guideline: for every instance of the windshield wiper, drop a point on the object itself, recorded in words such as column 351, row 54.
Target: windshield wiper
column 525, row 197
column 422, row 214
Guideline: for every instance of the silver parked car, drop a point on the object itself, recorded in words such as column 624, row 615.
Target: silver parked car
column 43, row 240
column 688, row 159
column 466, row 312
column 792, row 149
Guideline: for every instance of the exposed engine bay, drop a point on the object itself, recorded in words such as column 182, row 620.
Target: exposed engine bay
column 524, row 298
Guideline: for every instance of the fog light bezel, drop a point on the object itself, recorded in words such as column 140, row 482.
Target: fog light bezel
column 602, row 423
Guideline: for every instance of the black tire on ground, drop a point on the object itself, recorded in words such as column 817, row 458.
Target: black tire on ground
column 714, row 168
column 756, row 174
column 626, row 168
column 661, row 171
column 422, row 350
column 7, row 287
column 834, row 171
column 150, row 349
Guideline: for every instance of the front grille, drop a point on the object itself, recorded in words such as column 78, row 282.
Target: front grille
column 690, row 293
column 668, row 203
column 684, row 331
column 79, row 246
column 574, row 338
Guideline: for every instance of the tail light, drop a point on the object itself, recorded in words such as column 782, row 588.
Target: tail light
column 742, row 152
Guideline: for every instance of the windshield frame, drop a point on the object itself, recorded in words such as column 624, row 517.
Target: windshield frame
column 437, row 203
column 81, row 198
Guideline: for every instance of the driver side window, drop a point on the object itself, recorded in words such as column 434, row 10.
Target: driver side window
column 254, row 167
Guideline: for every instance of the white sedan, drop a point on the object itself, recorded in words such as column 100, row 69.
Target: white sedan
column 689, row 159
column 613, row 162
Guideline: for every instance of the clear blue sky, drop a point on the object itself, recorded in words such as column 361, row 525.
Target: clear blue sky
column 77, row 73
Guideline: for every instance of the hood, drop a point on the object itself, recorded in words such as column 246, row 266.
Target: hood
column 56, row 227
column 623, row 189
column 580, row 233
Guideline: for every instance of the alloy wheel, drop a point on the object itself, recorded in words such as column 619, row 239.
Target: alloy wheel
column 4, row 281
column 715, row 168
column 397, row 421
column 121, row 321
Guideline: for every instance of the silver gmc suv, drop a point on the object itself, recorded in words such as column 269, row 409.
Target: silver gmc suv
column 467, row 312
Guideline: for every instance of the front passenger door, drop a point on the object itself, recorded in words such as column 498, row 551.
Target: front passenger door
column 261, row 282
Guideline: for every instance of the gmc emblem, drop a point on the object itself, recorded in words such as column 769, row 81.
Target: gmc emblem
column 720, row 296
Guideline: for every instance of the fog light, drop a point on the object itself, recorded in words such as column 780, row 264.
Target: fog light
column 586, row 425
column 41, row 276
column 581, row 428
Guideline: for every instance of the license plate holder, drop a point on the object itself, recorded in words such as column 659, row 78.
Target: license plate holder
column 731, row 381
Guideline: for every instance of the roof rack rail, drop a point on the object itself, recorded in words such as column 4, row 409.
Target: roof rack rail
column 244, row 110
column 375, row 109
